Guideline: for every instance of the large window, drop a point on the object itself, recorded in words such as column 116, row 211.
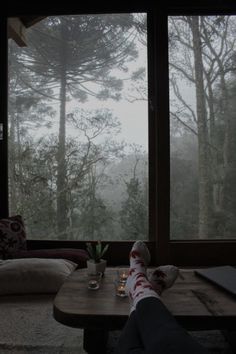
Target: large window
column 78, row 128
column 121, row 127
column 202, row 61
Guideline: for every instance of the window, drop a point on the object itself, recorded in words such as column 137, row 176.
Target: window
column 181, row 228
column 202, row 59
column 78, row 128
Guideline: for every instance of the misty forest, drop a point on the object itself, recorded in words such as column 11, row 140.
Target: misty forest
column 73, row 174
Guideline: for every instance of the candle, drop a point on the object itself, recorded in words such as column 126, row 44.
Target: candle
column 93, row 284
column 94, row 281
column 120, row 291
column 123, row 277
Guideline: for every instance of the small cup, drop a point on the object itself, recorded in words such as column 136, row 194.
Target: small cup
column 120, row 289
column 94, row 281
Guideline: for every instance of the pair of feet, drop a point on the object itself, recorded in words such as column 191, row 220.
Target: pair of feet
column 138, row 285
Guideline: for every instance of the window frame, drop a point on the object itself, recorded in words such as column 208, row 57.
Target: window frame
column 3, row 119
column 200, row 252
column 163, row 250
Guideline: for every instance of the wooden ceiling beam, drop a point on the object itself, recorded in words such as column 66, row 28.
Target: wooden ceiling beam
column 16, row 31
column 29, row 21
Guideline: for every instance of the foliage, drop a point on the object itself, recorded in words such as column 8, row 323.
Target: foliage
column 133, row 213
column 60, row 153
column 61, row 54
column 96, row 251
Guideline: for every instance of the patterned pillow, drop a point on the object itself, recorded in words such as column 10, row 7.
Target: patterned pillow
column 12, row 235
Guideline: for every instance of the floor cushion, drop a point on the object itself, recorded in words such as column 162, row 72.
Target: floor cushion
column 33, row 275
column 76, row 255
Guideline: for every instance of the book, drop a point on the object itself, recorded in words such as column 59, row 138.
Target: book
column 223, row 276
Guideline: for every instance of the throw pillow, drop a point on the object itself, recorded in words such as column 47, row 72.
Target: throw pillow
column 12, row 235
column 33, row 275
column 76, row 255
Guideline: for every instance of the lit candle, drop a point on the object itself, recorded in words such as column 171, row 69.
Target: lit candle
column 121, row 290
column 123, row 277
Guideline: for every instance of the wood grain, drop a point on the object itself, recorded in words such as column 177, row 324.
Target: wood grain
column 195, row 303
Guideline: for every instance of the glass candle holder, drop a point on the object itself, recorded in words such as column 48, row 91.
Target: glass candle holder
column 120, row 289
column 94, row 281
column 122, row 275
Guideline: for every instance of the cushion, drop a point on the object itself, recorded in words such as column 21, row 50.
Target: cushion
column 75, row 255
column 33, row 275
column 12, row 235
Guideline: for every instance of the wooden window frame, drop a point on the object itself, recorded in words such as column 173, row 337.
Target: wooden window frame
column 163, row 250
column 197, row 252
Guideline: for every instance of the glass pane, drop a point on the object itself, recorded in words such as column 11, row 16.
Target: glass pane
column 202, row 59
column 78, row 128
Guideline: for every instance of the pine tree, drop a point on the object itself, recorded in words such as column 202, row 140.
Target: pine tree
column 74, row 57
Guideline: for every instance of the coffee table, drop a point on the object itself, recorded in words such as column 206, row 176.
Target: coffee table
column 96, row 311
column 195, row 303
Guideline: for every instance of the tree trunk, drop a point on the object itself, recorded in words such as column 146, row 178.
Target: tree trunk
column 214, row 158
column 227, row 171
column 228, row 192
column 62, row 220
column 228, row 199
column 92, row 192
column 205, row 187
column 12, row 167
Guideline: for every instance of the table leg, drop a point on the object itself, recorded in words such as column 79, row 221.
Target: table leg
column 95, row 340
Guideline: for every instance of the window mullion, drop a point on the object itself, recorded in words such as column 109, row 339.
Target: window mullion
column 3, row 120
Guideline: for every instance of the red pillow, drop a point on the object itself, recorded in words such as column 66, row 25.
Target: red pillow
column 12, row 235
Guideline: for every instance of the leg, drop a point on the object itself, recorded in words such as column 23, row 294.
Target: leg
column 130, row 340
column 159, row 331
column 157, row 328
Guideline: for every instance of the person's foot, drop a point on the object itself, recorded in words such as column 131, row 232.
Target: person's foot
column 137, row 284
column 163, row 277
column 140, row 250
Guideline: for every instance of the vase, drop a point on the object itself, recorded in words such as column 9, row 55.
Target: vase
column 94, row 268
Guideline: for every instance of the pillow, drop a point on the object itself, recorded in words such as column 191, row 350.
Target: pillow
column 75, row 255
column 12, row 235
column 33, row 275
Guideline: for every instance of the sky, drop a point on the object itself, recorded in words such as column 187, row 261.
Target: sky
column 133, row 116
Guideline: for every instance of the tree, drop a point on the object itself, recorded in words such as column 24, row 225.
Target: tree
column 75, row 55
column 26, row 109
column 184, row 187
column 205, row 185
column 134, row 209
column 201, row 48
column 94, row 216
column 87, row 159
column 133, row 214
column 226, row 127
